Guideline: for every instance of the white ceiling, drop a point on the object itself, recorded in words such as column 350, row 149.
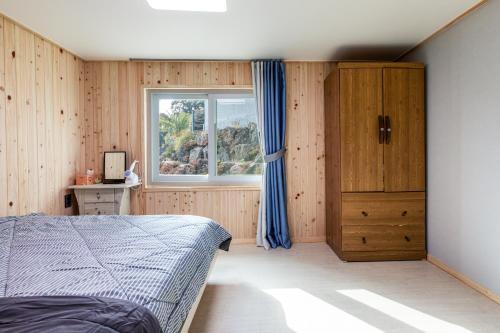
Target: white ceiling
column 250, row 29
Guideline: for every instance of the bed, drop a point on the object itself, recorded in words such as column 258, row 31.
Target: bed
column 64, row 269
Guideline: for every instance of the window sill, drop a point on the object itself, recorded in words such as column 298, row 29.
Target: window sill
column 200, row 188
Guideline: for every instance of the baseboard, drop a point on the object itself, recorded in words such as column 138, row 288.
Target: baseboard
column 294, row 240
column 321, row 239
column 243, row 241
column 474, row 285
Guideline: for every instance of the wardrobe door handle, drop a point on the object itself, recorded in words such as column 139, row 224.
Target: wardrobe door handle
column 407, row 238
column 364, row 240
column 388, row 130
column 381, row 130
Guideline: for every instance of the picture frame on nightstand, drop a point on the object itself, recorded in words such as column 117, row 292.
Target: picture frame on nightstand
column 115, row 164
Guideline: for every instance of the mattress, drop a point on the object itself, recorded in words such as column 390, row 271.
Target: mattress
column 159, row 262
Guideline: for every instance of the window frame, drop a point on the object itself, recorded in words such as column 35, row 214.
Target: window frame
column 154, row 178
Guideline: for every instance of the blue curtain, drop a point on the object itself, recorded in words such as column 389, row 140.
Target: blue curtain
column 273, row 92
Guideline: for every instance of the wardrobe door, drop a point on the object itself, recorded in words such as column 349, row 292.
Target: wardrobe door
column 404, row 151
column 360, row 112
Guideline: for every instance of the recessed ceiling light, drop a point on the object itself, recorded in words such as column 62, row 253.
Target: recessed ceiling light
column 189, row 5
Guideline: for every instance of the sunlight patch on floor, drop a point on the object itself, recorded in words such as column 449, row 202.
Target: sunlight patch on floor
column 403, row 313
column 305, row 313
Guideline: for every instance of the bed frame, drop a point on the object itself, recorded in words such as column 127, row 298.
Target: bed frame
column 192, row 312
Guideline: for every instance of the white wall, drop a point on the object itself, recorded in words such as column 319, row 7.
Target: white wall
column 463, row 143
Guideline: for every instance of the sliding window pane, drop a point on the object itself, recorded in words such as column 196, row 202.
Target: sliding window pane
column 183, row 136
column 238, row 149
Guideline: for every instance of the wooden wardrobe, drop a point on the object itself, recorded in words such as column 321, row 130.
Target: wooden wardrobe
column 375, row 161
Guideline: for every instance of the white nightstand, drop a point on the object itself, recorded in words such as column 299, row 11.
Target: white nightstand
column 103, row 199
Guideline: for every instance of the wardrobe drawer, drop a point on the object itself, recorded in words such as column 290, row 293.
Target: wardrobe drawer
column 99, row 209
column 383, row 238
column 383, row 208
column 104, row 195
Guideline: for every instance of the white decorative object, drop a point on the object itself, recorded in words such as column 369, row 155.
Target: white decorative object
column 130, row 177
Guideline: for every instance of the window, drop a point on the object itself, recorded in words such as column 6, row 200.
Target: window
column 203, row 138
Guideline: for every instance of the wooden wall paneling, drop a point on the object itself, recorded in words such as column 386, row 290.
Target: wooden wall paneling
column 149, row 203
column 99, row 109
column 255, row 213
column 107, row 131
column 41, row 121
column 11, row 117
column 159, row 203
column 186, row 203
column 81, row 113
column 33, row 130
column 235, row 209
column 300, row 213
column 304, row 127
column 89, row 114
column 318, row 152
column 22, row 111
column 72, row 123
column 148, row 73
column 171, row 203
column 50, row 126
column 3, row 126
column 114, row 117
column 209, row 73
column 156, row 73
column 122, row 104
column 57, row 116
column 40, row 147
column 292, row 142
column 131, row 92
column 28, row 136
column 305, row 155
column 61, row 93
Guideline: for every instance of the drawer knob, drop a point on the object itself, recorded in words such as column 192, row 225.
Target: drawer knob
column 365, row 214
column 98, row 195
column 98, row 212
column 407, row 238
column 364, row 240
column 404, row 213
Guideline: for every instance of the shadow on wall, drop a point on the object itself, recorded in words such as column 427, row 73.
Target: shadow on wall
column 370, row 52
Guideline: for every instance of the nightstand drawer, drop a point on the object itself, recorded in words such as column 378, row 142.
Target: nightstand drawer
column 99, row 209
column 104, row 195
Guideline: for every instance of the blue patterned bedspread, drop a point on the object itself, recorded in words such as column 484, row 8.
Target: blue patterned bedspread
column 160, row 262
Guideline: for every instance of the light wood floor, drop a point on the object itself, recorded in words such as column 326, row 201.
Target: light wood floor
column 308, row 289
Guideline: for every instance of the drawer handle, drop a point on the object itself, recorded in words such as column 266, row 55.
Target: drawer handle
column 404, row 213
column 407, row 238
column 98, row 195
column 98, row 212
column 365, row 214
column 364, row 240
